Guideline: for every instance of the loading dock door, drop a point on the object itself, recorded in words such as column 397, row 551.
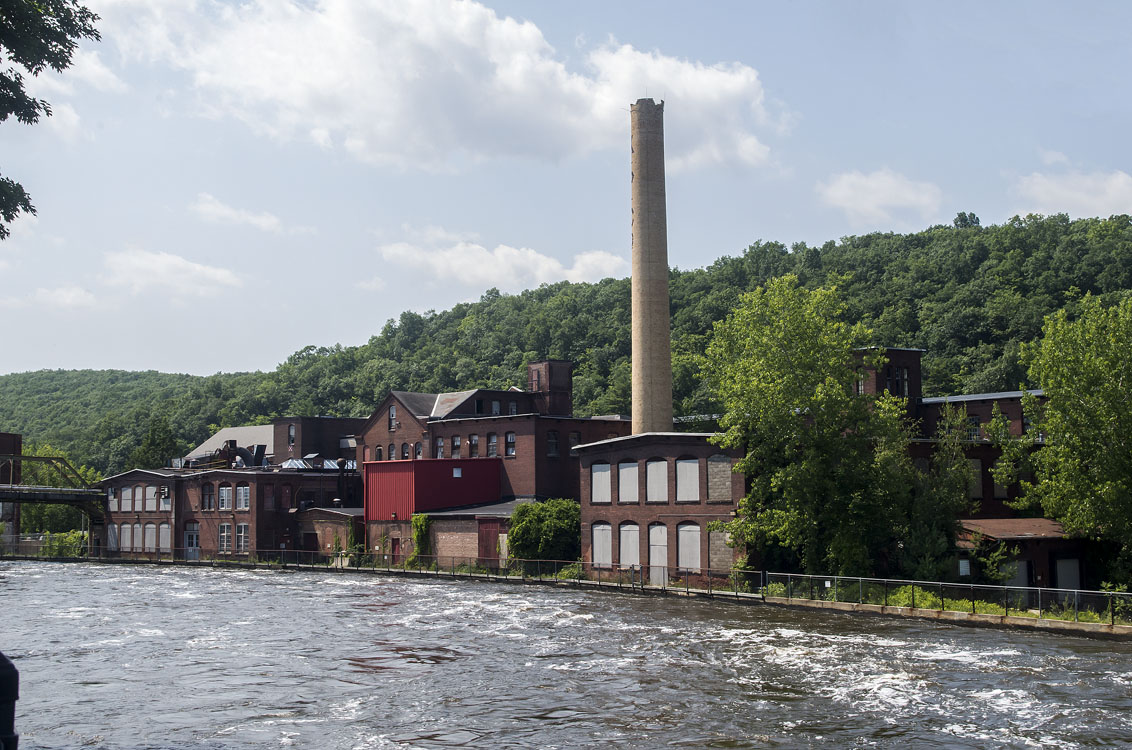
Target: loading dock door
column 658, row 554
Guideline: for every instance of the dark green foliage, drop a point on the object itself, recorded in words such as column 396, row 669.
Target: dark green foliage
column 549, row 530
column 34, row 35
column 421, row 523
column 970, row 295
column 157, row 447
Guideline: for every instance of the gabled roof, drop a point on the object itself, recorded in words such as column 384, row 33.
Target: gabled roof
column 418, row 404
column 254, row 434
column 446, row 402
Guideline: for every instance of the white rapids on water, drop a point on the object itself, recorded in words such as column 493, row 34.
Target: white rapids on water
column 143, row 657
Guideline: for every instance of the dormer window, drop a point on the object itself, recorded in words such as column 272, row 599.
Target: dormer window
column 495, row 410
column 512, row 407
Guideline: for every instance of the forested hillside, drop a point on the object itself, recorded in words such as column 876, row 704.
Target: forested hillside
column 967, row 294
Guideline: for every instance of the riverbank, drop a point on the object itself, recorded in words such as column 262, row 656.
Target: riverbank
column 733, row 596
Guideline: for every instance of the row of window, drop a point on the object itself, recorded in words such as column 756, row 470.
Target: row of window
column 480, row 408
column 656, row 480
column 454, row 447
column 629, row 545
column 139, row 498
column 139, row 538
column 239, row 497
column 224, row 537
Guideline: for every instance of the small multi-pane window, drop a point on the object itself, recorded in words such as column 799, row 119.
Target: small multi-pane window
column 111, row 498
column 127, row 498
column 225, row 497
column 440, row 447
column 241, row 537
column 225, row 537
column 473, row 446
column 973, row 428
column 151, row 498
column 492, row 444
column 290, row 434
column 552, row 443
column 392, row 416
column 509, row 443
column 207, row 497
column 512, row 407
column 243, row 497
column 164, row 498
column 495, row 411
column 455, row 446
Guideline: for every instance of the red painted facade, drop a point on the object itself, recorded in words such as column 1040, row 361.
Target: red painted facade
column 395, row 490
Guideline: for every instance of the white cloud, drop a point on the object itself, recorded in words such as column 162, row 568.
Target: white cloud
column 64, row 122
column 508, row 268
column 164, row 273
column 873, row 198
column 434, row 83
column 1050, row 157
column 1076, row 193
column 211, row 209
column 67, row 297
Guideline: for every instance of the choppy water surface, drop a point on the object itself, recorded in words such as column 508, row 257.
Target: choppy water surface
column 125, row 657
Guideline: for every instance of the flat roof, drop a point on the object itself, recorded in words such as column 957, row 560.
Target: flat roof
column 504, row 509
column 643, row 435
column 980, row 396
column 1014, row 529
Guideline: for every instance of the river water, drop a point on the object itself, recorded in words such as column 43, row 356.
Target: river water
column 142, row 657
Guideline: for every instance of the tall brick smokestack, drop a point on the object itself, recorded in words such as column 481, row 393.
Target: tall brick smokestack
column 652, row 358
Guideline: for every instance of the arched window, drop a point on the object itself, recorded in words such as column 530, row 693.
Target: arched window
column 377, row 453
column 439, row 447
column 473, row 446
column 602, row 550
column 509, row 443
column 455, row 446
column 126, row 537
column 688, row 547
column 392, row 451
column 151, row 537
column 599, row 483
column 207, row 496
column 392, row 416
column 492, row 444
column 628, row 490
column 290, row 434
column 112, row 537
column 137, row 537
column 552, row 443
column 687, row 480
column 405, row 451
column 418, row 450
column 656, row 481
column 224, row 494
column 629, row 553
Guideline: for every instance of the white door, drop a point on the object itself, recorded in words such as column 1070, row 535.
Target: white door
column 192, row 542
column 658, row 554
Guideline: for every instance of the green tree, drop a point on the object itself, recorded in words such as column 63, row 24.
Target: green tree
column 548, row 530
column 34, row 35
column 157, row 447
column 1082, row 474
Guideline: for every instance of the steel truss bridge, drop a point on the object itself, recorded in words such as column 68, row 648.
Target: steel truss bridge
column 71, row 490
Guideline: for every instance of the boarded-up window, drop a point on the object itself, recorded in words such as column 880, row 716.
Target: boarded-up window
column 126, row 538
column 656, row 482
column 150, row 537
column 630, row 545
column 151, row 497
column 599, row 483
column 719, row 479
column 719, row 554
column 164, row 537
column 627, row 491
column 602, row 545
column 976, row 485
column 137, row 536
column 687, row 480
column 688, row 547
column 112, row 537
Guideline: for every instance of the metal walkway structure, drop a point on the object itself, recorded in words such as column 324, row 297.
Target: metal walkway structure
column 73, row 489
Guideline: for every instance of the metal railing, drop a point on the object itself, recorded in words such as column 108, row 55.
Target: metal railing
column 1074, row 605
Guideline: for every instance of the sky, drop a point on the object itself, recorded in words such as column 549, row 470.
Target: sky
column 224, row 183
